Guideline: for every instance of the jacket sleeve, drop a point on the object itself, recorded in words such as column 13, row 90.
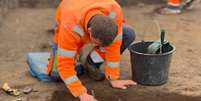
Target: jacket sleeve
column 112, row 55
column 66, row 53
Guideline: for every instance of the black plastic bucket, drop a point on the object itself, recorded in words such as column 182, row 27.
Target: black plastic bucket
column 150, row 69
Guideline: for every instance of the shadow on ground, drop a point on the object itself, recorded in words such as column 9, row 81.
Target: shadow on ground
column 104, row 92
column 127, row 96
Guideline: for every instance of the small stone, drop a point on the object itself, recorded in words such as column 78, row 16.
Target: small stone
column 140, row 4
column 27, row 90
column 15, row 92
column 5, row 87
column 10, row 91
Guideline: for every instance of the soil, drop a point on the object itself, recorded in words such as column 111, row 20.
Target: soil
column 25, row 30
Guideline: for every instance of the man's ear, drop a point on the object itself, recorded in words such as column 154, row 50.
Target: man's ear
column 89, row 30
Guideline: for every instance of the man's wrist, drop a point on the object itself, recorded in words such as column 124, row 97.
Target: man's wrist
column 82, row 94
column 109, row 78
column 112, row 77
column 110, row 81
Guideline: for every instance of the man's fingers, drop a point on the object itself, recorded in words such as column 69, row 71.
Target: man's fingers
column 94, row 99
column 130, row 82
column 123, row 87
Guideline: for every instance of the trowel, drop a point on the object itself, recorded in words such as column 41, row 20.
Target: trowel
column 158, row 46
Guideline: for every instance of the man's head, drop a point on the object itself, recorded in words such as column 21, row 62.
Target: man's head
column 103, row 30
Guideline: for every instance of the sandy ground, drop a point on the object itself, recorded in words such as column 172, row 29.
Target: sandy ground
column 25, row 30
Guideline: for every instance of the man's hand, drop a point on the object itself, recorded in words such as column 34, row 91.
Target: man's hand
column 122, row 84
column 86, row 97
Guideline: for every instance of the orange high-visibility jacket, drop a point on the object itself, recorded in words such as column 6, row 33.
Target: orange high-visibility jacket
column 174, row 2
column 71, row 34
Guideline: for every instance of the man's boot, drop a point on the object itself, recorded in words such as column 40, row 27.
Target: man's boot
column 93, row 70
column 188, row 4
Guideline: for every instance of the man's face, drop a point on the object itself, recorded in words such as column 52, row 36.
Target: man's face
column 94, row 40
